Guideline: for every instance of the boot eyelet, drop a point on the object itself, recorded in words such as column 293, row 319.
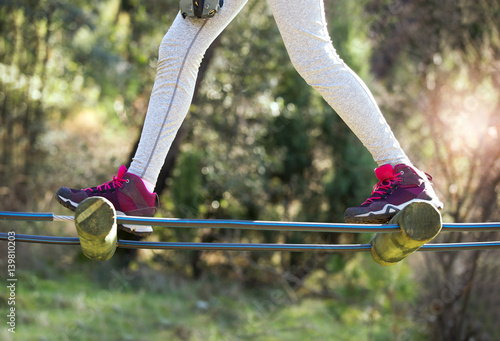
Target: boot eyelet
column 128, row 180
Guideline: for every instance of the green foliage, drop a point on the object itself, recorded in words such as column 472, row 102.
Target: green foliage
column 185, row 188
column 435, row 59
column 259, row 143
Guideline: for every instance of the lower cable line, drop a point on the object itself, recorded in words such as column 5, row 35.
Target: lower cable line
column 131, row 244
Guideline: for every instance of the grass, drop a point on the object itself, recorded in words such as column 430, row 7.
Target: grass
column 92, row 301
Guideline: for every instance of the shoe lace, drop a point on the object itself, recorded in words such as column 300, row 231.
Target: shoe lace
column 117, row 182
column 382, row 188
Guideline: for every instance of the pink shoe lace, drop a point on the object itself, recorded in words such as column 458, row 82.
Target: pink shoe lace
column 117, row 182
column 382, row 187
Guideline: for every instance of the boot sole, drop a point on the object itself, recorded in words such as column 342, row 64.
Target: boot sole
column 127, row 228
column 384, row 217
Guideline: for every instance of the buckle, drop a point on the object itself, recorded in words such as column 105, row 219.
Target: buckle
column 200, row 8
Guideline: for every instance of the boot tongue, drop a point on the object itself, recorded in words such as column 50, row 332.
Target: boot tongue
column 121, row 172
column 385, row 172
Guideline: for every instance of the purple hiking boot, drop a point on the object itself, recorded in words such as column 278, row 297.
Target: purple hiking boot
column 126, row 192
column 398, row 186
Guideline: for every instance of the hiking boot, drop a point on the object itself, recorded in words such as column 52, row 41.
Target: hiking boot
column 398, row 186
column 126, row 192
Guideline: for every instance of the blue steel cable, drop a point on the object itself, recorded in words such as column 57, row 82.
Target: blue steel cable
column 130, row 244
column 255, row 225
column 26, row 216
column 41, row 239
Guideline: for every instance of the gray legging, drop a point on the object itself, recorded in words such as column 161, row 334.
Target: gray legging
column 304, row 31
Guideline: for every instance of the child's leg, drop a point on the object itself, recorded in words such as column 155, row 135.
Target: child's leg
column 303, row 28
column 304, row 31
column 180, row 55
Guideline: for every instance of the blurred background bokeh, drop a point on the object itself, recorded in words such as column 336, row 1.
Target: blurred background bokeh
column 259, row 144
